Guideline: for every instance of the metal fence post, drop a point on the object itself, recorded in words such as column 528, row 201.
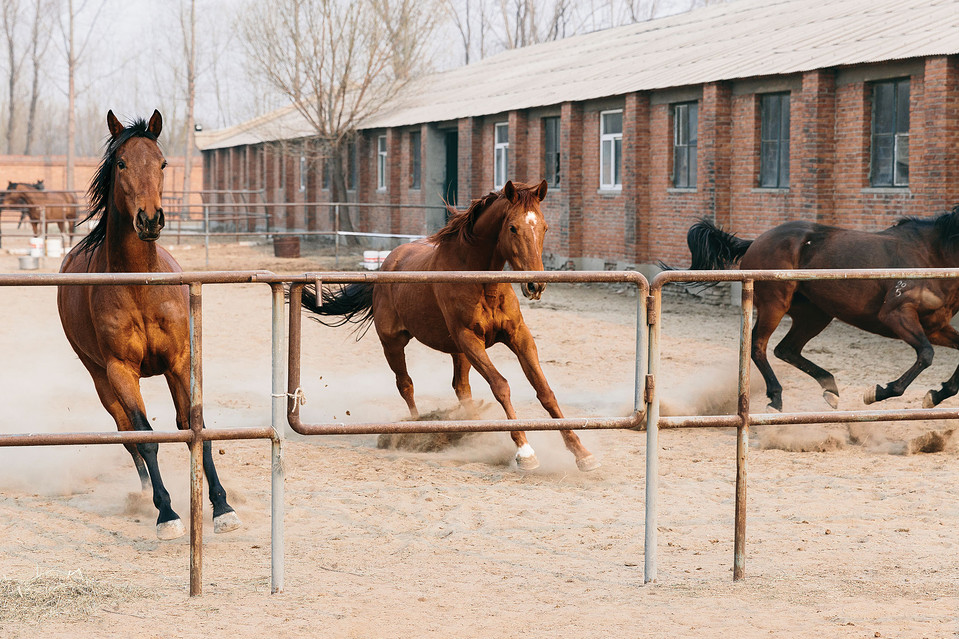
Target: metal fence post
column 742, row 431
column 196, row 445
column 277, row 474
column 652, row 436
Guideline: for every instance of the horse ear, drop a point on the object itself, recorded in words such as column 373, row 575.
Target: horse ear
column 114, row 125
column 541, row 190
column 509, row 191
column 156, row 123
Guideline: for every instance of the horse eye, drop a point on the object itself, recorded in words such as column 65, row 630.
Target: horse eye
column 121, row 164
column 163, row 166
column 512, row 228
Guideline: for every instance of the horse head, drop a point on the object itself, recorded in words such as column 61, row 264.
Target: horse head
column 523, row 232
column 137, row 176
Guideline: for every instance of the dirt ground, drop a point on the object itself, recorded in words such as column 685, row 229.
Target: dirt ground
column 850, row 533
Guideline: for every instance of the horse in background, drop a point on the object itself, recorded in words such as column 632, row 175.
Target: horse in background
column 462, row 319
column 58, row 207
column 916, row 311
column 123, row 333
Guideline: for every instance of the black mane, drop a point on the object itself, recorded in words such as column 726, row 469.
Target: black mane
column 99, row 191
column 946, row 225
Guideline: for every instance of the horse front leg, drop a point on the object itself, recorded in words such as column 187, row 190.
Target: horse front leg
column 225, row 518
column 904, row 321
column 461, row 384
column 522, row 344
column 475, row 352
column 125, row 385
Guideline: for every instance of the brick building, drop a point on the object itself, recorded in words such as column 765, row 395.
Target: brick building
column 752, row 113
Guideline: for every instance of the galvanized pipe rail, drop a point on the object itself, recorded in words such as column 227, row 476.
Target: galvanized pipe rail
column 744, row 418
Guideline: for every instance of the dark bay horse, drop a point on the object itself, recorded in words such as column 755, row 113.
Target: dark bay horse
column 123, row 333
column 506, row 227
column 915, row 311
column 58, row 207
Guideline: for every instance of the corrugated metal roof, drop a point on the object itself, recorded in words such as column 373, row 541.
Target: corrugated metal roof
column 737, row 39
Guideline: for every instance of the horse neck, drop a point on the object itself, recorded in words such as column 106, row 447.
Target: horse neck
column 481, row 254
column 127, row 253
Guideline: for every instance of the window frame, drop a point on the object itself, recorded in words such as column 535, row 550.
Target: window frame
column 688, row 148
column 899, row 139
column 381, row 150
column 353, row 173
column 615, row 143
column 780, row 142
column 500, row 155
column 416, row 160
column 552, row 157
column 303, row 169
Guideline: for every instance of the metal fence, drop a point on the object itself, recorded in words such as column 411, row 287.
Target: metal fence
column 286, row 398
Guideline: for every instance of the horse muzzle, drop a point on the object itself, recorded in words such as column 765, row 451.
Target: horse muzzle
column 533, row 290
column 148, row 228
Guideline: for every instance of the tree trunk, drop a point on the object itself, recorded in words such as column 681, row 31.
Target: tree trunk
column 337, row 159
column 71, row 102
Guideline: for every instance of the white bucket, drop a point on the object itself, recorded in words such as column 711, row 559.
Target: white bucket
column 371, row 260
column 381, row 257
column 36, row 246
column 28, row 263
column 54, row 247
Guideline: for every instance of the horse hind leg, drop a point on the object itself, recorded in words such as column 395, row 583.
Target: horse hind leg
column 394, row 350
column 771, row 306
column 807, row 323
column 947, row 336
column 461, row 385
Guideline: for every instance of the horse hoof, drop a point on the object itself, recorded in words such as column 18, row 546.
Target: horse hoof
column 929, row 401
column 527, row 463
column 172, row 529
column 774, row 407
column 831, row 398
column 226, row 522
column 588, row 463
column 869, row 397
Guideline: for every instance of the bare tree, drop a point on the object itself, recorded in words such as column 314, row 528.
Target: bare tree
column 338, row 62
column 39, row 41
column 9, row 25
column 188, row 28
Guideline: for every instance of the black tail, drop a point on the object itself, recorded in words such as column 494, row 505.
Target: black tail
column 713, row 248
column 352, row 303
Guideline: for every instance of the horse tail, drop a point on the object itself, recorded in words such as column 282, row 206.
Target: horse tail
column 352, row 303
column 713, row 248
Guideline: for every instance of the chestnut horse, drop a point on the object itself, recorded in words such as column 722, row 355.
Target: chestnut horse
column 123, row 333
column 57, row 207
column 916, row 311
column 463, row 319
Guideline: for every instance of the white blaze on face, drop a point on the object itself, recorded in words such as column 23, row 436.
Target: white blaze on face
column 531, row 218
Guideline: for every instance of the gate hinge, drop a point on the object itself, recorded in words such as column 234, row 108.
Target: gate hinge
column 650, row 386
column 651, row 315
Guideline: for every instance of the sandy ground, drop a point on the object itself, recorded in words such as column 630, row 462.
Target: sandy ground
column 851, row 532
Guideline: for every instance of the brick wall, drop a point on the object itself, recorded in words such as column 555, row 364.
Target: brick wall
column 647, row 220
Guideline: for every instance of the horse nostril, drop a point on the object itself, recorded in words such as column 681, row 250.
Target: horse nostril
column 160, row 218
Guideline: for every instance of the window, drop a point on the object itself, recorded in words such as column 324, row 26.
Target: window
column 302, row 173
column 610, row 149
column 327, row 173
column 890, row 134
column 415, row 160
column 774, row 140
column 500, row 154
column 381, row 163
column 685, row 137
column 551, row 150
column 352, row 175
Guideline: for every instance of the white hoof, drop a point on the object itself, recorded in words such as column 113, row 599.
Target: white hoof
column 831, row 398
column 226, row 522
column 869, row 397
column 526, row 458
column 928, row 401
column 588, row 463
column 170, row 530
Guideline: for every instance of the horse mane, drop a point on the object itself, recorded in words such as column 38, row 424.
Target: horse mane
column 945, row 225
column 461, row 223
column 99, row 191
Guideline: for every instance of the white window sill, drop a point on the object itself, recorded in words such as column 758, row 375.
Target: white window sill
column 774, row 190
column 679, row 190
column 887, row 190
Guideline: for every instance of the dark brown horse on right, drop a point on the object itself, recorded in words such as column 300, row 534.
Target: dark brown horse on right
column 56, row 207
column 463, row 319
column 916, row 311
